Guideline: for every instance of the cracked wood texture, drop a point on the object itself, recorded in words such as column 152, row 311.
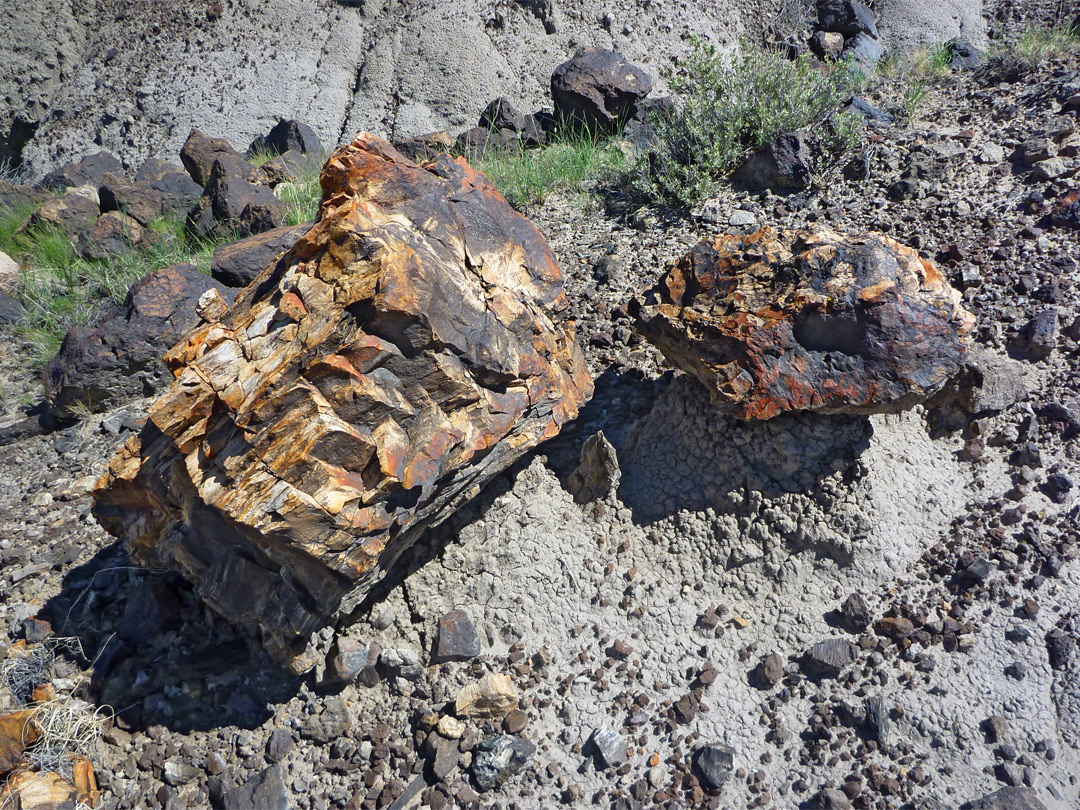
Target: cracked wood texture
column 413, row 344
column 808, row 319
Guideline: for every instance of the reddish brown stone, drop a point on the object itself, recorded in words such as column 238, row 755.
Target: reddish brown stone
column 808, row 320
column 409, row 347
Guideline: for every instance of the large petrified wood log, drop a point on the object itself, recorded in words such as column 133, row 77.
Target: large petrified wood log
column 808, row 320
column 410, row 346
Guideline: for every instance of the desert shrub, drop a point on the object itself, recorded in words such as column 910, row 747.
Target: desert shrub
column 728, row 106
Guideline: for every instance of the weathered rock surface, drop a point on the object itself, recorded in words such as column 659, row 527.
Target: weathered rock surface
column 809, row 320
column 457, row 640
column 72, row 213
column 496, row 759
column 598, row 89
column 91, row 170
column 409, row 347
column 238, row 263
column 288, row 135
column 121, row 359
column 112, row 234
column 235, row 201
column 1008, row 798
column 597, row 473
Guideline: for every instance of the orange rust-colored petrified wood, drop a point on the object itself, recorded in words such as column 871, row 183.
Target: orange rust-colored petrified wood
column 809, row 320
column 410, row 346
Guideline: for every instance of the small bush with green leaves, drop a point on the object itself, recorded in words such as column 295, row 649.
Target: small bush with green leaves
column 729, row 106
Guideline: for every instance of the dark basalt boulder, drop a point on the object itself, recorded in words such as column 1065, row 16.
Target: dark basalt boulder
column 72, row 213
column 414, row 343
column 808, row 319
column 598, row 89
column 238, row 263
column 90, row 171
column 287, row 135
column 231, row 203
column 121, row 359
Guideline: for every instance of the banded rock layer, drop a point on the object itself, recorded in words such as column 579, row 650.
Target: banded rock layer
column 808, row 319
column 409, row 347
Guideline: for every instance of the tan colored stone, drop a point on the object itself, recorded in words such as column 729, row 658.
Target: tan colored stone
column 489, row 698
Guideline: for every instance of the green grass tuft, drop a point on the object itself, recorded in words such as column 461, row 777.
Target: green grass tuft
column 1037, row 45
column 527, row 176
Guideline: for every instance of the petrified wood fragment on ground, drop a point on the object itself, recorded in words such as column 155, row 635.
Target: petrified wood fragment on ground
column 808, row 320
column 407, row 348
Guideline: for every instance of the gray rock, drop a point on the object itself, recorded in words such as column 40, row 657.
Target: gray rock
column 714, row 764
column 855, row 612
column 350, row 658
column 1038, row 338
column 990, row 381
column 609, row 747
column 496, row 759
column 784, row 164
column 263, row 791
column 877, row 718
column 1010, row 798
column 865, row 52
column 501, row 114
column 868, row 110
column 176, row 772
column 335, row 720
column 847, row 17
column 457, row 638
column 400, row 663
column 829, row 658
column 11, row 310
column 597, row 473
column 442, row 756
column 279, row 745
column 965, row 56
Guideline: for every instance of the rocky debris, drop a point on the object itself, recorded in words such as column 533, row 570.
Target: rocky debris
column 113, row 234
column 784, row 164
column 72, row 213
column 1008, row 798
column 827, row 44
column 877, row 718
column 598, row 89
column 140, row 200
column 153, row 169
column 847, row 17
column 830, row 657
column 769, row 671
column 121, row 359
column 855, row 612
column 233, row 203
column 334, row 721
column 990, row 381
column 597, row 474
column 264, row 791
column 236, row 264
column 496, row 759
column 11, row 310
column 440, row 361
column 14, row 196
column 491, row 697
column 808, row 320
column 457, row 639
column 714, row 764
column 90, row 171
column 442, row 754
column 608, row 746
column 200, row 152
column 287, row 135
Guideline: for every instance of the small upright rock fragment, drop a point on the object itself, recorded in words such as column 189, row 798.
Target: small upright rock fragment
column 597, row 473
column 457, row 639
column 808, row 319
column 856, row 613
